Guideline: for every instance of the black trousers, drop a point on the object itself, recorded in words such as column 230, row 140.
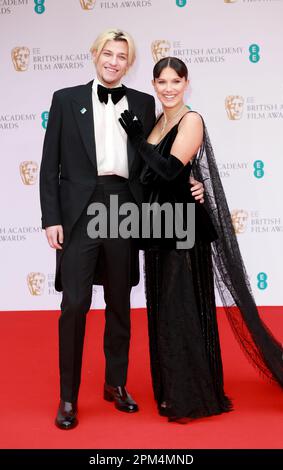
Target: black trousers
column 77, row 269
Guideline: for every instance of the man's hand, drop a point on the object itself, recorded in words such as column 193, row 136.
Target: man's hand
column 197, row 190
column 55, row 236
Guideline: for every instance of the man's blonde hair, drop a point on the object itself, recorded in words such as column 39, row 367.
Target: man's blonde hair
column 114, row 35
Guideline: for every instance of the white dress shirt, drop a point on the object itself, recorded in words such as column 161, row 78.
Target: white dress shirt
column 110, row 137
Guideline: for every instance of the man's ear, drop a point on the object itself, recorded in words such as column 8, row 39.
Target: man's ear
column 94, row 56
column 128, row 68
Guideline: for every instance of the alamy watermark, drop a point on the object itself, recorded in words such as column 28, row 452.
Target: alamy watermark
column 153, row 220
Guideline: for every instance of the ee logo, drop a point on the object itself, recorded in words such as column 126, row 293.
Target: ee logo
column 181, row 3
column 258, row 169
column 44, row 117
column 262, row 281
column 39, row 6
column 254, row 53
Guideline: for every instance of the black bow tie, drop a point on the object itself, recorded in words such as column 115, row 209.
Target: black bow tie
column 116, row 93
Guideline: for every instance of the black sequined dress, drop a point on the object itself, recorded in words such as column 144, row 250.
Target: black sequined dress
column 185, row 352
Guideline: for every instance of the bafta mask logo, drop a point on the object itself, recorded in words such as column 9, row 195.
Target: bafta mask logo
column 230, row 1
column 87, row 4
column 234, row 105
column 20, row 58
column 239, row 220
column 28, row 172
column 160, row 49
column 36, row 283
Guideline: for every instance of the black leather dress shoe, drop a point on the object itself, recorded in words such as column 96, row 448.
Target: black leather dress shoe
column 67, row 415
column 123, row 401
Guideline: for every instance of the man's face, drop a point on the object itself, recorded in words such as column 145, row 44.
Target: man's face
column 112, row 62
column 87, row 4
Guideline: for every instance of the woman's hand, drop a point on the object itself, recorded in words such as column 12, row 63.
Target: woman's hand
column 131, row 125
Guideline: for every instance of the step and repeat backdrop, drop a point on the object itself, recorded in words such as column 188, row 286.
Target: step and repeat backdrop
column 233, row 50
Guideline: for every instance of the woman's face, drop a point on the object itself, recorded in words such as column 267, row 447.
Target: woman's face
column 170, row 88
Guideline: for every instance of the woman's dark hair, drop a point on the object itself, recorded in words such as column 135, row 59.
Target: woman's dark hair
column 174, row 63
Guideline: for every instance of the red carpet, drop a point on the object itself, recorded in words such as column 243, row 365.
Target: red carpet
column 29, row 393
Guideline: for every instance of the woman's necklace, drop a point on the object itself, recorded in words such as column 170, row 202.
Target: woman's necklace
column 167, row 121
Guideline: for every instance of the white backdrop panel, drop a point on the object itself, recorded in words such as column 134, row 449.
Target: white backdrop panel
column 214, row 38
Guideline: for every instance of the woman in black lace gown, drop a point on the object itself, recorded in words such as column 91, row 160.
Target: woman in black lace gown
column 185, row 353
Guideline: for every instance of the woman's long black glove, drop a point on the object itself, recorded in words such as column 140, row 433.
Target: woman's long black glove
column 167, row 168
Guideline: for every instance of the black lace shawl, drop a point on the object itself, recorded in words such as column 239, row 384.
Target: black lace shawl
column 231, row 279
